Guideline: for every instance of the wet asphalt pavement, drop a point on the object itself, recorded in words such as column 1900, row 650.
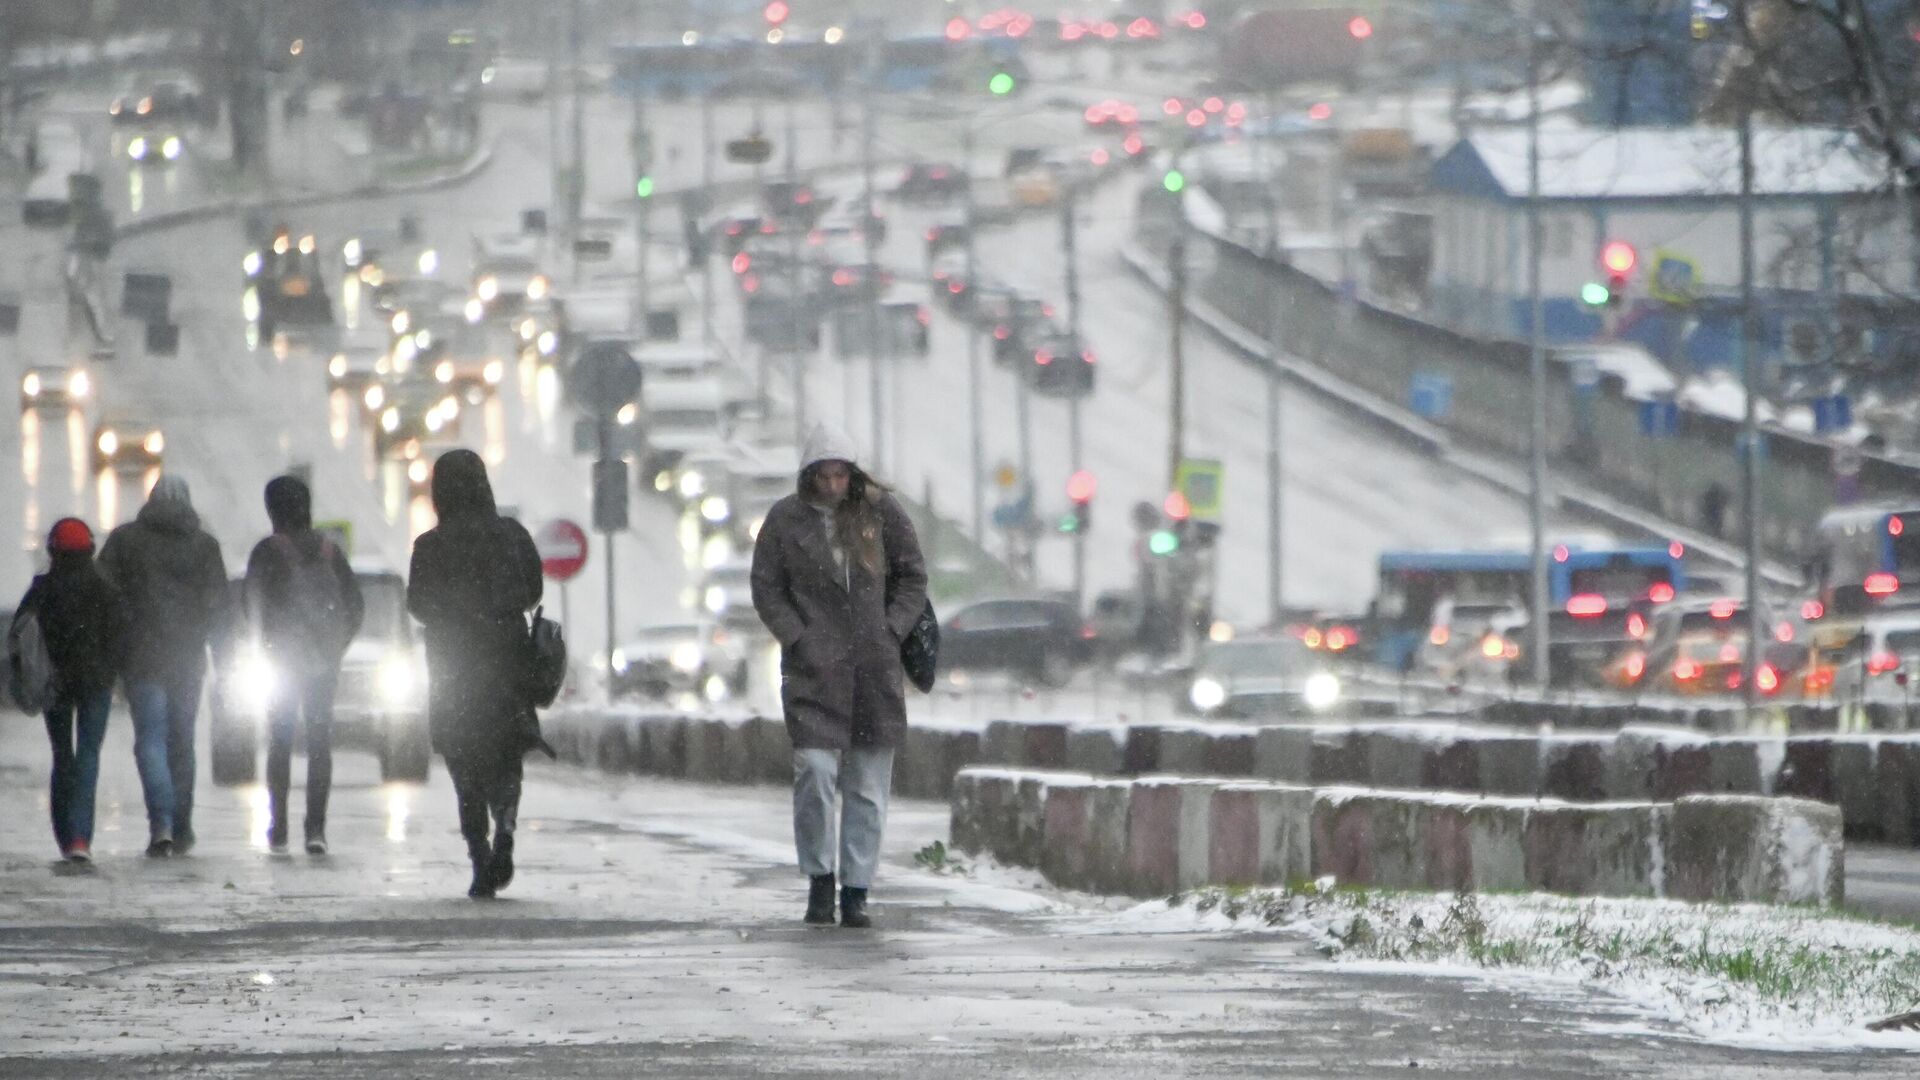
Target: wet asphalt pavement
column 654, row 930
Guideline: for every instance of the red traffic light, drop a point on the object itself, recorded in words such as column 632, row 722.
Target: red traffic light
column 1360, row 27
column 1176, row 506
column 776, row 12
column 1618, row 257
column 1081, row 486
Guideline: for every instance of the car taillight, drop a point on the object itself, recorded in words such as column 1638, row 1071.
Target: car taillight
column 1587, row 605
column 1086, row 631
column 1882, row 584
column 1492, row 647
column 1767, row 679
column 1723, row 609
column 1813, row 609
column 1636, row 667
column 1686, row 670
column 1340, row 637
column 1729, row 653
column 1661, row 592
column 1439, row 635
column 1636, row 626
column 932, row 235
column 1882, row 662
column 1783, row 631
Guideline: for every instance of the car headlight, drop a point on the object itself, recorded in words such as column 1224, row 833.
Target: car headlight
column 627, row 415
column 548, row 343
column 418, row 471
column 376, row 396
column 537, row 288
column 714, row 509
column 1321, row 691
column 685, row 657
column 474, row 310
column 351, row 251
column 488, row 288
column 526, row 328
column 444, row 371
column 307, row 244
column 399, row 682
column 493, row 372
column 79, row 385
column 255, row 679
column 692, row 484
column 170, row 149
column 109, row 443
column 715, row 689
column 404, row 351
column 429, row 262
column 716, row 599
column 1207, row 694
column 337, row 367
column 30, row 386
column 137, row 149
column 619, row 662
column 390, row 420
column 155, row 443
column 252, row 264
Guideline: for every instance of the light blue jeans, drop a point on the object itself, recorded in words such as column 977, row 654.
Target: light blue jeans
column 861, row 778
column 163, row 715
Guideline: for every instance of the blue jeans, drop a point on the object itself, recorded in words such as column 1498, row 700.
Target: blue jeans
column 861, row 778
column 163, row 713
column 76, row 764
column 309, row 696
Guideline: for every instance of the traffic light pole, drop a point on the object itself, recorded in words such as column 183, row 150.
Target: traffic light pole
column 706, row 186
column 870, row 284
column 1068, row 233
column 973, row 360
column 1537, row 372
column 641, row 152
column 1750, row 421
column 1177, row 314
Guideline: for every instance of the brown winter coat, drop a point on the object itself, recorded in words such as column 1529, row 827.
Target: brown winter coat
column 840, row 676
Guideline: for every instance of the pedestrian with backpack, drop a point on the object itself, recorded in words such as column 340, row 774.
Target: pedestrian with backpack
column 474, row 577
column 170, row 573
column 303, row 606
column 65, row 647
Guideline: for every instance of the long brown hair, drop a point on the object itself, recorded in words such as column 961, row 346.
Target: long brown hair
column 856, row 520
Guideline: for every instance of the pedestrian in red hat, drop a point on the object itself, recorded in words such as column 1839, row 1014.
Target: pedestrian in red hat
column 64, row 651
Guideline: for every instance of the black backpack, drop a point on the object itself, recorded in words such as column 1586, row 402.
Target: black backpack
column 546, row 659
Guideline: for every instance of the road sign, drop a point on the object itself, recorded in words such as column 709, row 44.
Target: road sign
column 610, row 495
column 563, row 549
column 1199, row 480
column 1431, row 394
column 604, row 378
column 1673, row 277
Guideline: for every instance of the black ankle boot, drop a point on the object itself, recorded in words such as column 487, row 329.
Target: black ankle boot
column 482, row 858
column 820, row 900
column 502, row 864
column 853, row 909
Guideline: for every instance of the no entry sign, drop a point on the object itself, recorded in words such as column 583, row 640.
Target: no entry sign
column 563, row 549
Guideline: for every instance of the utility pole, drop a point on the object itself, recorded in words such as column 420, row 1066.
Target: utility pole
column 973, row 359
column 1275, row 484
column 1177, row 314
column 1069, row 230
column 643, row 196
column 1537, row 372
column 577, row 180
column 870, row 283
column 707, row 200
column 797, row 354
column 1750, row 420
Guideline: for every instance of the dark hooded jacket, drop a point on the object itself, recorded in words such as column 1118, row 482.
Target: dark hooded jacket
column 474, row 577
column 312, row 639
column 85, row 624
column 175, row 585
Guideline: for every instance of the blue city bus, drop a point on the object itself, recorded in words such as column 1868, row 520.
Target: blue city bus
column 1593, row 592
column 1868, row 557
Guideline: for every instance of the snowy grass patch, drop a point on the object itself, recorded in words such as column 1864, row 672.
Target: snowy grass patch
column 1755, row 975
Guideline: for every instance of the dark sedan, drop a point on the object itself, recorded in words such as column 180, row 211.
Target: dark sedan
column 1039, row 641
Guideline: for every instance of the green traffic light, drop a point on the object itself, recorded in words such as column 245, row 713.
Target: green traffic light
column 1175, row 180
column 1163, row 542
column 1069, row 523
column 1595, row 294
column 643, row 188
column 1001, row 84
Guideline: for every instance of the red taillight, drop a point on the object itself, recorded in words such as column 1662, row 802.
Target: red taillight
column 1813, row 609
column 1000, row 333
column 1086, row 631
column 1587, row 605
column 843, row 277
column 1783, row 631
column 932, row 235
column 1723, row 609
column 750, row 283
column 1820, row 679
column 1767, row 679
column 1733, row 680
column 1676, row 549
column 1882, row 662
column 1882, row 584
column 1636, row 667
column 955, row 287
column 922, row 316
column 1686, row 670
column 1340, row 637
column 1895, row 526
column 741, row 262
column 1636, row 626
column 1088, row 358
column 1662, row 592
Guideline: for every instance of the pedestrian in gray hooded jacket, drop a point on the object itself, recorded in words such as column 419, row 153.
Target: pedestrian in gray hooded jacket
column 839, row 581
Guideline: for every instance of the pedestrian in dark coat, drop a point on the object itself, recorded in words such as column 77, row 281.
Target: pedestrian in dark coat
column 474, row 577
column 85, row 627
column 839, row 581
column 304, row 605
column 170, row 572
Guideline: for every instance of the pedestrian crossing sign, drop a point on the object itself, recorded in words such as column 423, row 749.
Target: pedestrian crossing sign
column 1199, row 479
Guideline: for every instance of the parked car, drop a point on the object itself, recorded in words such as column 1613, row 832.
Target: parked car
column 1036, row 640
